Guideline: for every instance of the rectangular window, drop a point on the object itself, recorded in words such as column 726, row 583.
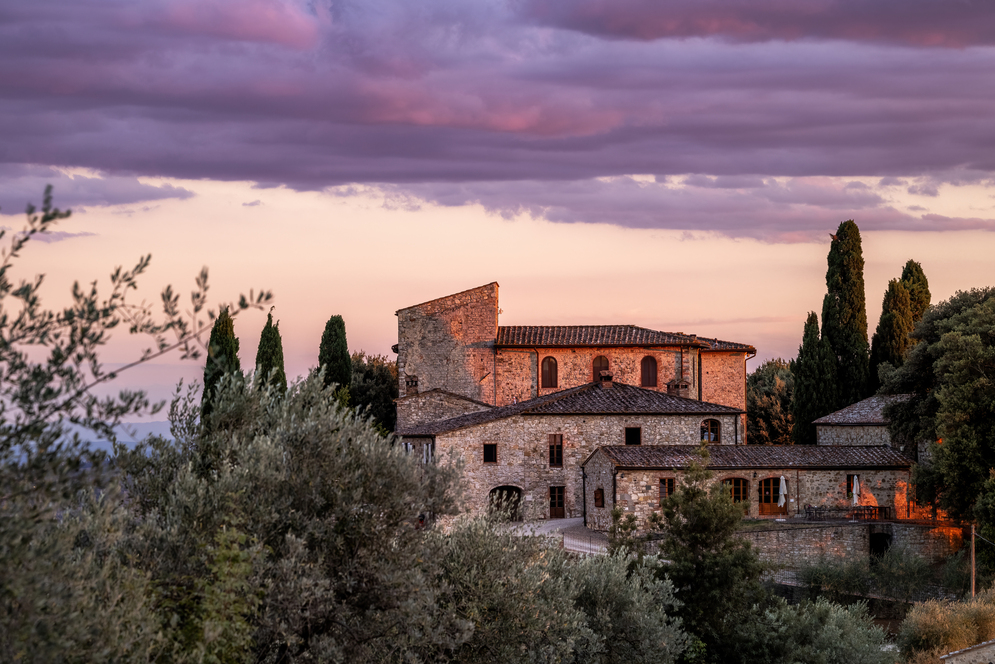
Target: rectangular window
column 555, row 450
column 428, row 452
column 666, row 488
column 633, row 436
column 849, row 485
column 556, row 502
column 599, row 497
column 490, row 452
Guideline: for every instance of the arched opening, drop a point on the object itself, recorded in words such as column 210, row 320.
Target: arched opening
column 649, row 371
column 770, row 496
column 506, row 498
column 549, row 378
column 710, row 431
column 600, row 364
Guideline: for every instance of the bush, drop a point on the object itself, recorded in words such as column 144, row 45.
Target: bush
column 943, row 626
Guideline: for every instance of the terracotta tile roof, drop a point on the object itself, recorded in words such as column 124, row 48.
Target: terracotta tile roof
column 868, row 411
column 589, row 399
column 756, row 456
column 719, row 345
column 589, row 335
column 439, row 390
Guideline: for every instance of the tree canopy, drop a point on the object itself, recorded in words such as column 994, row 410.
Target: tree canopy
column 952, row 401
column 333, row 353
column 844, row 315
column 269, row 356
column 374, row 388
column 892, row 338
column 769, row 394
column 815, row 381
column 222, row 357
column 915, row 282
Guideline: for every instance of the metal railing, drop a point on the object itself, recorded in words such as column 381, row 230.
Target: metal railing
column 855, row 513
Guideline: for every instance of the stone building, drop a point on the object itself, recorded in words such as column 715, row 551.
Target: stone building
column 523, row 406
column 533, row 450
column 813, row 478
column 862, row 423
column 451, row 350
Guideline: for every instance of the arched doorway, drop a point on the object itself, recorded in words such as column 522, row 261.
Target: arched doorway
column 770, row 494
column 509, row 497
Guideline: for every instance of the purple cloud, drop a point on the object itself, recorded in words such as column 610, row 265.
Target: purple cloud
column 23, row 184
column 925, row 23
column 448, row 96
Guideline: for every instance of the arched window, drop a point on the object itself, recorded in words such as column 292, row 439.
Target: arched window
column 738, row 488
column 649, row 371
column 710, row 431
column 770, row 495
column 600, row 364
column 549, row 372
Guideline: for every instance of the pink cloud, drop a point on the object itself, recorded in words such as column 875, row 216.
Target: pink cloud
column 267, row 21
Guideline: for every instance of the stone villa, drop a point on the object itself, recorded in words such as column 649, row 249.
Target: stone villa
column 571, row 421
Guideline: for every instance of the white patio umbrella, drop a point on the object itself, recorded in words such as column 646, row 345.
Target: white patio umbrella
column 856, row 490
column 782, row 492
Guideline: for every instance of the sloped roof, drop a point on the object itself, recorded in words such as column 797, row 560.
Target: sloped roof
column 719, row 345
column 435, row 391
column 589, row 399
column 755, row 456
column 870, row 411
column 589, row 335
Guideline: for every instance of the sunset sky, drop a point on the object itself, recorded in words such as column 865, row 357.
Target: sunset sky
column 674, row 164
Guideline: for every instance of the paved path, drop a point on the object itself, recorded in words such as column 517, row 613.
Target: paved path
column 571, row 532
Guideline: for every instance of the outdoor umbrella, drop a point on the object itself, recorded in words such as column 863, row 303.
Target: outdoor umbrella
column 782, row 492
column 856, row 490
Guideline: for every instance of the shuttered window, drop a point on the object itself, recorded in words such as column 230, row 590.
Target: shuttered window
column 555, row 450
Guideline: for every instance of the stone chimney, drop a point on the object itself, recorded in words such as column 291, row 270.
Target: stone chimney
column 410, row 385
column 606, row 380
column 679, row 388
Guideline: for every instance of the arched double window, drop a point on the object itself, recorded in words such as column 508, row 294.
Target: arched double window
column 600, row 364
column 710, row 431
column 549, row 378
column 738, row 488
column 649, row 371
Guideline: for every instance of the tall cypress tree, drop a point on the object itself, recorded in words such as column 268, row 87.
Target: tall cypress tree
column 844, row 315
column 892, row 338
column 333, row 353
column 915, row 282
column 815, row 381
column 269, row 357
column 222, row 358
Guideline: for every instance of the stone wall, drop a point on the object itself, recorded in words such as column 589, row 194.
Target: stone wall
column 523, row 451
column 448, row 343
column 983, row 653
column 599, row 476
column 638, row 491
column 518, row 375
column 826, row 434
column 723, row 379
column 434, row 405
column 800, row 545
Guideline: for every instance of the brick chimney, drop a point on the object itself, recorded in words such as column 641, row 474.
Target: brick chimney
column 679, row 387
column 606, row 380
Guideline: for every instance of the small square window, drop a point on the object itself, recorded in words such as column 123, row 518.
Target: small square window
column 599, row 497
column 633, row 436
column 490, row 452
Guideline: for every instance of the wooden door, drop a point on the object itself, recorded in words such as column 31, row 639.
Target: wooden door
column 556, row 504
column 770, row 492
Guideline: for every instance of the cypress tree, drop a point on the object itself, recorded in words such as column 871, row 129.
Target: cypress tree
column 892, row 338
column 844, row 315
column 915, row 282
column 269, row 357
column 333, row 353
column 222, row 358
column 815, row 379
